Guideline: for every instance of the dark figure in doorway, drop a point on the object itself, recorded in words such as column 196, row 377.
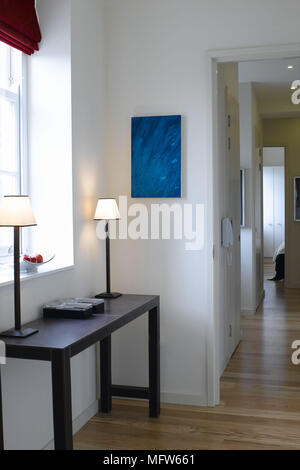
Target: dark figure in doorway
column 279, row 268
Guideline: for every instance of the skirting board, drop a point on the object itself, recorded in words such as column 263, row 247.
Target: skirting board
column 183, row 399
column 262, row 296
column 79, row 422
column 224, row 365
column 246, row 312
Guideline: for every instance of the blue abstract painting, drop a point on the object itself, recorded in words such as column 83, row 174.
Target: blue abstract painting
column 156, row 156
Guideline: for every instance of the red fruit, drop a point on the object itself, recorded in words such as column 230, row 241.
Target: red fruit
column 39, row 259
column 33, row 259
column 27, row 258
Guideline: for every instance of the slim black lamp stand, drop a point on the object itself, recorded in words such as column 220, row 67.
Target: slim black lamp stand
column 17, row 284
column 16, row 212
column 108, row 294
column 107, row 209
column 17, row 331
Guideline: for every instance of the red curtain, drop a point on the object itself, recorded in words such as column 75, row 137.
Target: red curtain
column 19, row 25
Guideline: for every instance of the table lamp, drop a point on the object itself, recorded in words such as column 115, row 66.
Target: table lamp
column 16, row 211
column 107, row 209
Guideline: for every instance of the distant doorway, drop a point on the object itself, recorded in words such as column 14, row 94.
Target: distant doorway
column 274, row 205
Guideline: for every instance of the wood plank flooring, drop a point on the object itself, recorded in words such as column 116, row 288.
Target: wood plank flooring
column 260, row 395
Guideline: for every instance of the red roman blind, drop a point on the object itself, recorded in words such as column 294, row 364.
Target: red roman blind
column 19, row 25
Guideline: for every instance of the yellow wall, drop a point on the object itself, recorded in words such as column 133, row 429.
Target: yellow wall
column 286, row 133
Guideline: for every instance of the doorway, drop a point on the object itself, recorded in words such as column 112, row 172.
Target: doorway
column 274, row 211
column 254, row 183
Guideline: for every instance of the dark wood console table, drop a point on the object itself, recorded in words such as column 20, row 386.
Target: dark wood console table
column 59, row 340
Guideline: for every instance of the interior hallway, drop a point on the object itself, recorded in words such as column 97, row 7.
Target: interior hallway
column 260, row 395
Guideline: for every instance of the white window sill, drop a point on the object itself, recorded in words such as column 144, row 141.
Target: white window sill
column 7, row 271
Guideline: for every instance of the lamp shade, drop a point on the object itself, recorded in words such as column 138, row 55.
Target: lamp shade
column 107, row 209
column 16, row 211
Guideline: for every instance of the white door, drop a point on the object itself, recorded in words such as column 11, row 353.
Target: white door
column 279, row 206
column 268, row 212
column 234, row 256
column 274, row 209
column 228, row 275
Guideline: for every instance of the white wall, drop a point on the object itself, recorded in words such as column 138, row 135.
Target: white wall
column 156, row 63
column 67, row 54
column 50, row 137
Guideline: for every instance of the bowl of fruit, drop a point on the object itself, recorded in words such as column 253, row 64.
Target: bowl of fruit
column 31, row 263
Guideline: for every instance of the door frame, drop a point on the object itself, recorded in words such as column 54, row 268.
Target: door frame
column 213, row 58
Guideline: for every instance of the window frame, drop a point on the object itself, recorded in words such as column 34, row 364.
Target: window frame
column 19, row 98
column 24, row 171
column 15, row 99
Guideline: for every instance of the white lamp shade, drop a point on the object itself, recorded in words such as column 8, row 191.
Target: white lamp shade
column 16, row 211
column 107, row 209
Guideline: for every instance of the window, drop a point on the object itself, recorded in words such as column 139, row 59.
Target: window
column 12, row 132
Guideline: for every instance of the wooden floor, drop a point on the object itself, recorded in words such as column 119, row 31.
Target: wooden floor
column 260, row 395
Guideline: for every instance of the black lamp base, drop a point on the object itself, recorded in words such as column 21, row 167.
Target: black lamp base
column 18, row 333
column 108, row 295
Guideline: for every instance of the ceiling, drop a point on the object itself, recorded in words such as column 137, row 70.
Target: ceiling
column 270, row 71
column 272, row 81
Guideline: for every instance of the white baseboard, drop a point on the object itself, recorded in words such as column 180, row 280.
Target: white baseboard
column 79, row 422
column 250, row 311
column 182, row 399
column 261, row 298
column 247, row 312
column 223, row 367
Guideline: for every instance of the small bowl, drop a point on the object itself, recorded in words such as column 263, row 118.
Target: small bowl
column 33, row 267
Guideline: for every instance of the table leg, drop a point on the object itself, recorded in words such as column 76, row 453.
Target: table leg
column 154, row 363
column 1, row 418
column 62, row 400
column 105, row 375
